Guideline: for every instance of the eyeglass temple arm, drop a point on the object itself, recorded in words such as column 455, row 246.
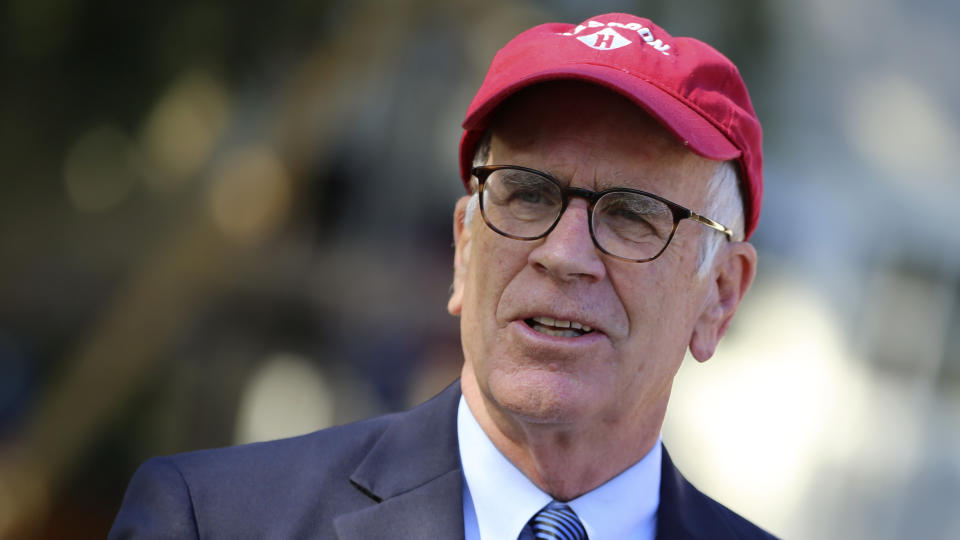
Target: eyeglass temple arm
column 712, row 224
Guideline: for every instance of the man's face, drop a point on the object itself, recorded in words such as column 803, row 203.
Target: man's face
column 642, row 314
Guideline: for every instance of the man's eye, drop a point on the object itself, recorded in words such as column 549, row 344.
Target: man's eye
column 530, row 196
column 627, row 210
column 635, row 218
column 633, row 222
column 628, row 214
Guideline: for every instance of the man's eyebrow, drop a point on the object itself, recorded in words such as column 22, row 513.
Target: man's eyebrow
column 625, row 180
column 517, row 176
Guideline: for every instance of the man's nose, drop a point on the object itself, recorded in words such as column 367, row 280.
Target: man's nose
column 568, row 252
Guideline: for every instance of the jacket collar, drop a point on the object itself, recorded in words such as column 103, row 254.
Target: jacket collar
column 685, row 513
column 413, row 472
column 414, row 477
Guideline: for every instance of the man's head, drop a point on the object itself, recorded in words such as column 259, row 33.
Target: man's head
column 695, row 92
column 525, row 305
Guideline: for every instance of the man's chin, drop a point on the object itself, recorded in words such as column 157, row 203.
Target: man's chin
column 541, row 397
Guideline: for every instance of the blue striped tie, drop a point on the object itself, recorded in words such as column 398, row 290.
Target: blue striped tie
column 557, row 521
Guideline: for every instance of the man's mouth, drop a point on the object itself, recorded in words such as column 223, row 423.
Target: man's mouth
column 558, row 328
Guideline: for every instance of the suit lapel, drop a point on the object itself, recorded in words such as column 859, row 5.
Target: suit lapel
column 685, row 513
column 434, row 510
column 413, row 477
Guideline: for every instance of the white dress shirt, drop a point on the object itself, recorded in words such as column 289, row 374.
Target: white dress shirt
column 499, row 500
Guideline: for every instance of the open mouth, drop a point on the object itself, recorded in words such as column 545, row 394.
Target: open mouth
column 558, row 328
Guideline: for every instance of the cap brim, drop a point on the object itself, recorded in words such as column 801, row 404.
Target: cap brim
column 679, row 117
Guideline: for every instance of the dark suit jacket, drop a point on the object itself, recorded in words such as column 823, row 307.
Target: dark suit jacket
column 395, row 476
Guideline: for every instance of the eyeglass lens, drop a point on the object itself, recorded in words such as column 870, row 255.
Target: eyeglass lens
column 525, row 205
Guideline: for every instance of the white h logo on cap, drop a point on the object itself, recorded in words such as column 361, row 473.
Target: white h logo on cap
column 605, row 40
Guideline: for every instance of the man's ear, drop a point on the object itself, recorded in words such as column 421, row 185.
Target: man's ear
column 461, row 255
column 734, row 267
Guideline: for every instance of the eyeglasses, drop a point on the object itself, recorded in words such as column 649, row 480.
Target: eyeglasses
column 629, row 224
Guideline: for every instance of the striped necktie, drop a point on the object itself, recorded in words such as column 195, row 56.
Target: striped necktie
column 557, row 521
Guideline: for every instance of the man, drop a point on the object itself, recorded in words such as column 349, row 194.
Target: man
column 614, row 172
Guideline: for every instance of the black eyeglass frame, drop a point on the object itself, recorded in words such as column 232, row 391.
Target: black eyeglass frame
column 679, row 212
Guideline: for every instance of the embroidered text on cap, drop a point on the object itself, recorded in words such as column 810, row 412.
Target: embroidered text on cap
column 608, row 39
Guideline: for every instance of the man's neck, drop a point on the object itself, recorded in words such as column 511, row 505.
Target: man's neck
column 565, row 460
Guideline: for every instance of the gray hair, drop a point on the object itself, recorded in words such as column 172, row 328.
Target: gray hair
column 480, row 157
column 724, row 205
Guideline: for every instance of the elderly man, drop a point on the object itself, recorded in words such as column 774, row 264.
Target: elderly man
column 614, row 173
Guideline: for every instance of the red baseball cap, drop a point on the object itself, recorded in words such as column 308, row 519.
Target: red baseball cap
column 691, row 89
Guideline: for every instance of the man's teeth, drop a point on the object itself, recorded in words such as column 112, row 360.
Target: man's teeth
column 558, row 328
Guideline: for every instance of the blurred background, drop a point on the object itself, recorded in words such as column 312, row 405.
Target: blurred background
column 223, row 222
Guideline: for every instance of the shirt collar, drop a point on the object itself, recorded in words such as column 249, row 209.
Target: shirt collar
column 626, row 505
column 504, row 499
